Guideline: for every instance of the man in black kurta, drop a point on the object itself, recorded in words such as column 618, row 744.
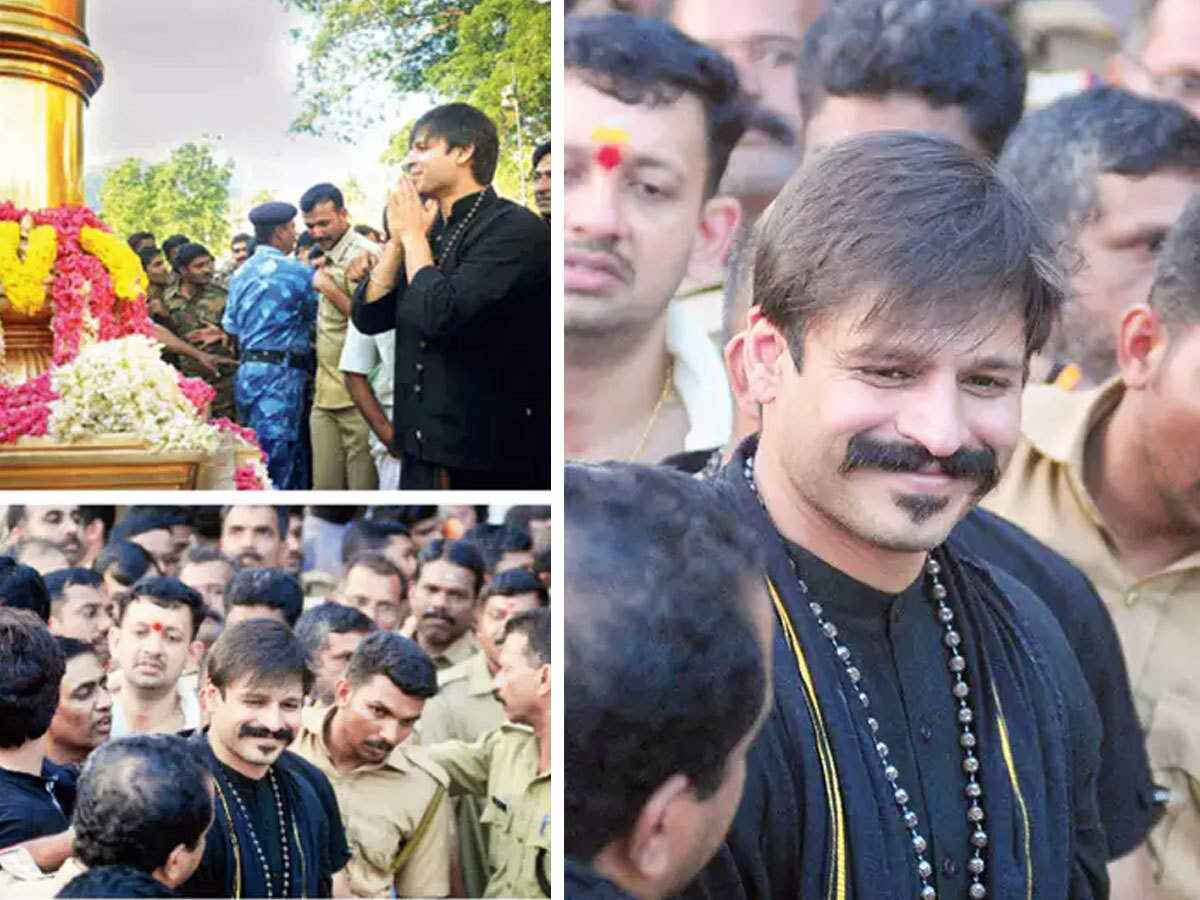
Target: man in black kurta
column 933, row 734
column 465, row 282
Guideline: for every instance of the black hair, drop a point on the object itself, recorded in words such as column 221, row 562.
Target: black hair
column 138, row 798
column 660, row 639
column 369, row 535
column 316, row 624
column 946, row 243
column 513, row 582
column 189, row 253
column 462, row 125
column 321, row 193
column 127, row 561
column 539, row 151
column 57, row 583
column 137, row 237
column 175, row 240
column 114, row 881
column 402, row 660
column 462, row 553
column 172, row 515
column 72, row 647
column 948, row 53
column 167, row 592
column 146, row 518
column 206, row 553
column 267, row 587
column 242, row 238
column 493, row 541
column 1176, row 291
column 106, row 514
column 377, row 563
column 519, row 517
column 305, row 240
column 264, row 233
column 534, row 624
column 264, row 649
column 645, row 62
column 281, row 516
column 21, row 587
column 147, row 256
column 31, row 670
column 408, row 515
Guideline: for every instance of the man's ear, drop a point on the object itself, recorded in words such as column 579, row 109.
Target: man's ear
column 719, row 220
column 1141, row 345
column 341, row 692
column 544, row 680
column 653, row 844
column 765, row 356
column 464, row 154
column 174, row 871
column 195, row 654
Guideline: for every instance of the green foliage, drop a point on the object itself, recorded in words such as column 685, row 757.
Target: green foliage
column 494, row 54
column 188, row 194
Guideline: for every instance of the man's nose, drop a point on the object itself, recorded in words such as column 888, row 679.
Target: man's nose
column 934, row 418
column 595, row 209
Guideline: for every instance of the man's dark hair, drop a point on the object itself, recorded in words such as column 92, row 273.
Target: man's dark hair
column 267, row 587
column 137, row 237
column 21, row 587
column 139, row 521
column 206, row 553
column 1176, row 292
column 58, row 582
column 264, row 649
column 644, row 62
column 1058, row 154
column 493, row 541
column 462, row 125
column 14, row 515
column 513, row 582
column 148, row 256
column 380, row 565
column 321, row 193
column 114, row 881
column 126, row 561
column 461, row 553
column 660, row 639
column 106, row 514
column 948, row 53
column 519, row 517
column 31, row 670
column 535, row 625
column 166, row 592
column 242, row 238
column 407, row 515
column 403, row 661
column 539, row 151
column 169, row 245
column 281, row 517
column 316, row 624
column 931, row 236
column 369, row 535
column 172, row 515
column 305, row 240
column 189, row 253
column 71, row 648
column 139, row 797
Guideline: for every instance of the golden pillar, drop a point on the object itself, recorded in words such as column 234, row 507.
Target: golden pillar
column 47, row 75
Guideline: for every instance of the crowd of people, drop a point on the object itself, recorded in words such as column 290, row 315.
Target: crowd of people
column 262, row 701
column 912, row 293
column 429, row 370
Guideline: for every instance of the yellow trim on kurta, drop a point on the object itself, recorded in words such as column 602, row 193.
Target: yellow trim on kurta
column 833, row 795
column 1006, row 749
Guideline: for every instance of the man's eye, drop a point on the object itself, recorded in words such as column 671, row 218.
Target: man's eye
column 989, row 382
column 889, row 375
column 648, row 190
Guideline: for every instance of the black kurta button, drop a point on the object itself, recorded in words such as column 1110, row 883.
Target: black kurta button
column 416, row 389
column 420, row 367
column 949, row 867
column 926, row 731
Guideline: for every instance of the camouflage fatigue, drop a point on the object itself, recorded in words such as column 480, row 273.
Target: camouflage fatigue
column 185, row 316
column 273, row 307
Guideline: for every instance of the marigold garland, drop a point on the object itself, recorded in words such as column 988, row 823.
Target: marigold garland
column 24, row 280
column 128, row 277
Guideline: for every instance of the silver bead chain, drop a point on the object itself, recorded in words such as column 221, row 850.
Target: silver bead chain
column 262, row 857
column 965, row 716
column 444, row 252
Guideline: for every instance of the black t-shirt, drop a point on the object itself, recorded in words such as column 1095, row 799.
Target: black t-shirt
column 33, row 806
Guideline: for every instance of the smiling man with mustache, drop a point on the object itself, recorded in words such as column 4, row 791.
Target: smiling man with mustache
column 392, row 795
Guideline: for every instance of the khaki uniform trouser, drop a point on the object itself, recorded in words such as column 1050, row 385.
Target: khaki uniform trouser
column 341, row 457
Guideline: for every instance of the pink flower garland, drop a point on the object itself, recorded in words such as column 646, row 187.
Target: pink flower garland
column 246, row 434
column 199, row 391
column 246, row 479
column 73, row 270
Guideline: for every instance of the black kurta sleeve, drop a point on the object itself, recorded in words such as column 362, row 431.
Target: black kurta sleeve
column 380, row 316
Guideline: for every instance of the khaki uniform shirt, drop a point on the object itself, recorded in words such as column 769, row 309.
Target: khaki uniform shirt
column 381, row 808
column 206, row 308
column 1157, row 617
column 502, row 768
column 465, row 707
column 460, row 651
column 329, row 391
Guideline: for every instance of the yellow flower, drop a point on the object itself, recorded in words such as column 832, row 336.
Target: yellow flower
column 24, row 281
column 128, row 278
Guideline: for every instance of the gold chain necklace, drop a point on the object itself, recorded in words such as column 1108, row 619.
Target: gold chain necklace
column 667, row 390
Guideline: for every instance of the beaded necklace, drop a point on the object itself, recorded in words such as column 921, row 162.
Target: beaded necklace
column 283, row 833
column 965, row 716
column 444, row 250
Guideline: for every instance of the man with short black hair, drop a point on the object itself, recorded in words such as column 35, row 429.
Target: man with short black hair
column 331, row 633
column 254, row 535
column 264, row 593
column 140, row 240
column 1109, row 172
column 122, row 564
column 543, row 168
column 57, row 524
column 36, row 795
column 293, row 543
column 385, row 536
column 511, row 764
column 442, row 599
column 393, row 795
column 279, row 832
column 668, row 599
column 464, row 280
column 79, row 608
column 171, row 246
column 150, row 528
column 83, row 719
column 208, row 572
column 95, row 524
column 241, row 247
column 372, row 584
column 21, row 587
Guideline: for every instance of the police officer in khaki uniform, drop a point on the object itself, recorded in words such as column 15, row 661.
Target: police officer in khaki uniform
column 509, row 767
column 393, row 798
column 341, row 453
column 195, row 306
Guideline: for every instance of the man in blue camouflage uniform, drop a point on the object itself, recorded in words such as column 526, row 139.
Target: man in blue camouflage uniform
column 271, row 310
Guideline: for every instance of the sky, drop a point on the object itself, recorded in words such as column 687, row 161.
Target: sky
column 177, row 71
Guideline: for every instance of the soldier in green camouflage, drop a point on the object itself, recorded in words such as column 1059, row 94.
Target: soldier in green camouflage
column 195, row 306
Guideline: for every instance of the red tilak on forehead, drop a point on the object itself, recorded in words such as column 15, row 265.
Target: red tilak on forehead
column 609, row 156
column 611, row 140
column 157, row 626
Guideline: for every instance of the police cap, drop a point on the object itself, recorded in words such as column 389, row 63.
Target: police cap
column 273, row 213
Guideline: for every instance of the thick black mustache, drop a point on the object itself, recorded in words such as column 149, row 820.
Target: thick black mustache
column 284, row 735
column 437, row 615
column 980, row 464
